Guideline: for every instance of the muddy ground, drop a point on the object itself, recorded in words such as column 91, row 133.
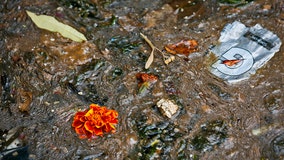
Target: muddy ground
column 46, row 79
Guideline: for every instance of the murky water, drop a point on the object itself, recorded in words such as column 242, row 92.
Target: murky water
column 50, row 78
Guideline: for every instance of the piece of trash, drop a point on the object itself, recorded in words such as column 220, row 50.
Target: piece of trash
column 95, row 121
column 13, row 144
column 145, row 81
column 231, row 62
column 243, row 50
column 18, row 153
column 167, row 107
column 235, row 2
column 184, row 47
column 51, row 24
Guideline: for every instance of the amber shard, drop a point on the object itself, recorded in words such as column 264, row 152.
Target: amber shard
column 184, row 47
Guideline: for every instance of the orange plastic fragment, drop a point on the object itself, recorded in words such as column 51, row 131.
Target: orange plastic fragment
column 231, row 62
column 95, row 121
column 184, row 47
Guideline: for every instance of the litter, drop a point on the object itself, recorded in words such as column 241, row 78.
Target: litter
column 243, row 50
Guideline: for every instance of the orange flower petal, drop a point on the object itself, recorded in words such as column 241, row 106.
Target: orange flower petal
column 87, row 133
column 94, row 107
column 89, row 113
column 88, row 126
column 113, row 121
column 109, row 127
column 77, row 123
column 99, row 124
column 98, row 131
column 83, row 136
column 79, row 114
column 79, row 130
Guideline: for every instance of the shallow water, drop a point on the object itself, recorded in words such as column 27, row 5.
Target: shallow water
column 50, row 78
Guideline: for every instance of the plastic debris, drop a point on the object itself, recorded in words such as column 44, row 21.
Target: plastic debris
column 243, row 50
column 19, row 153
column 235, row 2
column 167, row 107
column 13, row 144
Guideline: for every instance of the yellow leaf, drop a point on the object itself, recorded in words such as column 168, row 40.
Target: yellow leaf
column 143, row 87
column 150, row 60
column 51, row 24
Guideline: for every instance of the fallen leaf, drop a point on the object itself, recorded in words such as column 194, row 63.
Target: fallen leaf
column 143, row 87
column 25, row 99
column 145, row 81
column 51, row 24
column 167, row 59
column 184, row 47
column 150, row 60
column 151, row 57
column 145, row 77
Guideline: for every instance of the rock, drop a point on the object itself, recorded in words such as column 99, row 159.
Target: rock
column 167, row 107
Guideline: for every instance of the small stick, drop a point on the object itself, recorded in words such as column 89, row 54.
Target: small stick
column 167, row 59
column 148, row 41
column 151, row 58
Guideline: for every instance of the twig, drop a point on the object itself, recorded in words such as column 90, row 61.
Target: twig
column 151, row 58
column 148, row 41
column 166, row 59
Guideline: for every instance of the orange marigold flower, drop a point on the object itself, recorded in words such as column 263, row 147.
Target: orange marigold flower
column 95, row 121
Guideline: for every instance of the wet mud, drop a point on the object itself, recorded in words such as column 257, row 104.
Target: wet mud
column 46, row 79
